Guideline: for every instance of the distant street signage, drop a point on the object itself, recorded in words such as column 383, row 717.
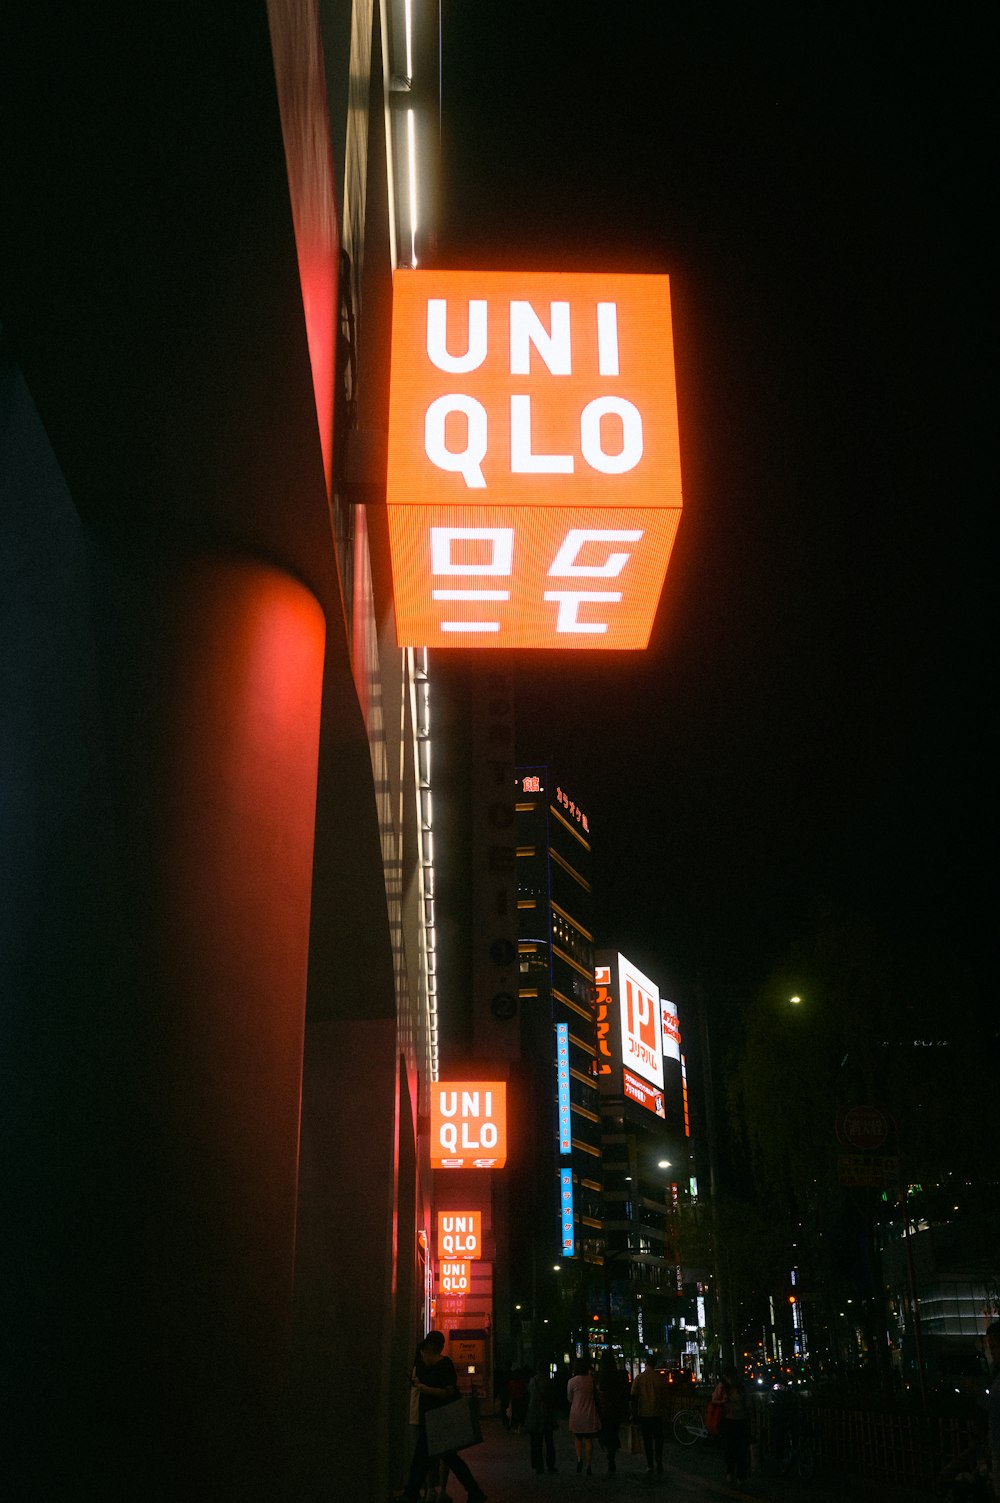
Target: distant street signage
column 466, row 1353
column 609, row 1057
column 533, row 482
column 468, row 1124
column 872, row 1169
column 863, row 1127
column 671, row 1029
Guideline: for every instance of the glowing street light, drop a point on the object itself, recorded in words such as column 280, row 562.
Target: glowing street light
column 795, row 999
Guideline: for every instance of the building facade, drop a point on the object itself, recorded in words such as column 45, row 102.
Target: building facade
column 218, row 962
column 556, row 1255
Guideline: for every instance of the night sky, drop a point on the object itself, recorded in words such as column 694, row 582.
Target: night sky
column 808, row 728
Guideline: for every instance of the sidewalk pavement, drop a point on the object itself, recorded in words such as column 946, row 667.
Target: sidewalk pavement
column 502, row 1467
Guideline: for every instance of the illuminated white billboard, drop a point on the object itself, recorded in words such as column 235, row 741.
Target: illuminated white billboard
column 642, row 1036
column 671, row 1030
column 629, row 1025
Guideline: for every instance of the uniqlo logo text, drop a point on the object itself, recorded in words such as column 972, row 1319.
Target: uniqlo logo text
column 534, row 480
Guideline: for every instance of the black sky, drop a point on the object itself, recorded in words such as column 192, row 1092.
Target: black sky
column 809, row 725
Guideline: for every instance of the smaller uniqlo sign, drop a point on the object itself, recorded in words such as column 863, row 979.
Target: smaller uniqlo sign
column 455, row 1276
column 468, row 1124
column 460, row 1234
column 534, row 476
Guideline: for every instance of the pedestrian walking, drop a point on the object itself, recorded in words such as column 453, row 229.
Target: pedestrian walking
column 735, row 1426
column 517, row 1389
column 613, row 1405
column 992, row 1343
column 540, row 1421
column 650, row 1403
column 436, row 1383
column 584, row 1421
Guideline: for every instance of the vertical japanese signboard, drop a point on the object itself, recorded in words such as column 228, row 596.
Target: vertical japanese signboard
column 562, row 1088
column 671, row 1030
column 566, row 1212
column 534, row 475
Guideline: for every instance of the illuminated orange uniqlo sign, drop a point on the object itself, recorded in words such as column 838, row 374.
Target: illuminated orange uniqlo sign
column 534, row 476
column 460, row 1234
column 468, row 1124
column 455, row 1276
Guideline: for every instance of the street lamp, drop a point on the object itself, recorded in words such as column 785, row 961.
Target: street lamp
column 664, row 1164
column 795, row 999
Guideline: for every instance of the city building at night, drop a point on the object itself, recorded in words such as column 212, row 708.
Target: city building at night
column 651, row 1299
column 218, row 954
column 555, row 945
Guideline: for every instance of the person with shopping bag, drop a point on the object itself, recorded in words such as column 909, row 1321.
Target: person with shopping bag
column 436, row 1383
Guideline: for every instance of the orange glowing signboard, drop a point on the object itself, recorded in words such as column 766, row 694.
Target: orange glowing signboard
column 460, row 1234
column 468, row 1124
column 456, row 1276
column 534, row 483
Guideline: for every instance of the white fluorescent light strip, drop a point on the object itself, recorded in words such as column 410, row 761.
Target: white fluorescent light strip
column 420, row 725
column 411, row 149
column 408, row 19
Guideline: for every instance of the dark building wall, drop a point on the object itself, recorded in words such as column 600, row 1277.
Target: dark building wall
column 179, row 696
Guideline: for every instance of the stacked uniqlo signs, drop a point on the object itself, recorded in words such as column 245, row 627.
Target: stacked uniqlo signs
column 534, row 475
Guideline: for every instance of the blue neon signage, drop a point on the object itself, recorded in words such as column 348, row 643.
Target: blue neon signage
column 562, row 1087
column 566, row 1210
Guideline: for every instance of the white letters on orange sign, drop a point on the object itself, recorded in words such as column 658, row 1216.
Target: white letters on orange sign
column 437, row 336
column 564, row 565
column 466, row 462
column 590, row 435
column 569, row 602
column 552, row 344
column 607, row 339
column 555, row 349
column 522, row 460
column 501, row 562
column 501, row 540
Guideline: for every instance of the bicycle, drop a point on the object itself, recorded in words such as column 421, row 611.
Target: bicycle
column 798, row 1457
column 689, row 1427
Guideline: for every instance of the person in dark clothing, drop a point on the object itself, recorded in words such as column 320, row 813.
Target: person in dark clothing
column 613, row 1405
column 735, row 1429
column 540, row 1420
column 436, row 1382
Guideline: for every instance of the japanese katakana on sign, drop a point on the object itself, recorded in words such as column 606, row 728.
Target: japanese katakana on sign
column 534, row 475
column 468, row 1124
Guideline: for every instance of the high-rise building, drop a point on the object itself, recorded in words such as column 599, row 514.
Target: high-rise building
column 562, row 1169
column 651, row 1301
